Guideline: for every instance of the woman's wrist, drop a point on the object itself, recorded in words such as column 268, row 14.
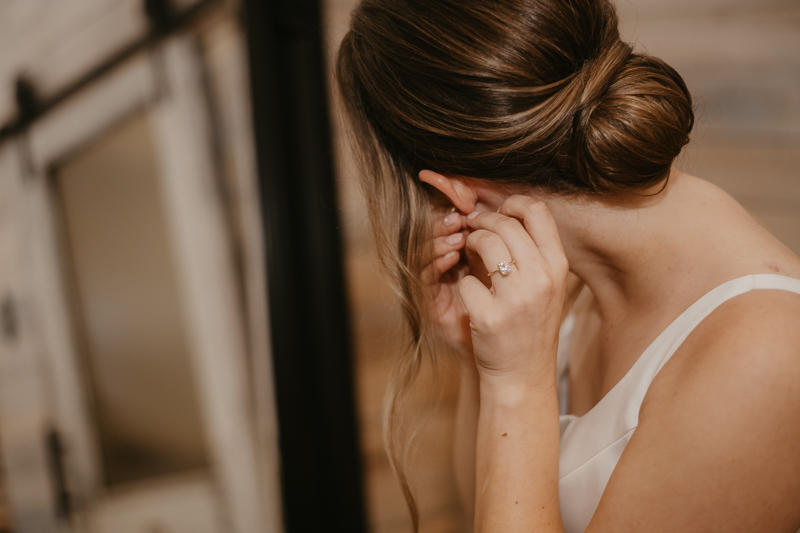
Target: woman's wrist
column 516, row 390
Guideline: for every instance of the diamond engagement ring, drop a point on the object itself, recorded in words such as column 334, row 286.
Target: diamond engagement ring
column 504, row 267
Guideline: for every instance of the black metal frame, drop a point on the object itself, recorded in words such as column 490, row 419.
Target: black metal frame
column 321, row 467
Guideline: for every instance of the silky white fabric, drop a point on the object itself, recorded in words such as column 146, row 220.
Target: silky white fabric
column 592, row 444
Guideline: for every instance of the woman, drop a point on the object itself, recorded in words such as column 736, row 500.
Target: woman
column 506, row 142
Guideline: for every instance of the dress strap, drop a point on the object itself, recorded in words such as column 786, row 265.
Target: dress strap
column 618, row 411
column 696, row 313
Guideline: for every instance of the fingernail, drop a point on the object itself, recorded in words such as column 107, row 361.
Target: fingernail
column 451, row 256
column 473, row 215
column 450, row 219
column 455, row 238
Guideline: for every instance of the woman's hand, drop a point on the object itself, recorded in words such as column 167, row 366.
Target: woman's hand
column 443, row 275
column 515, row 322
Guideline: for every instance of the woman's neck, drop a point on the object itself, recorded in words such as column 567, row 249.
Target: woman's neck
column 637, row 253
column 660, row 250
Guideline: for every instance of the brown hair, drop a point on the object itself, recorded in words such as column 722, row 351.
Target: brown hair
column 530, row 93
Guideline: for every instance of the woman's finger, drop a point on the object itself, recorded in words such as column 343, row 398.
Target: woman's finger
column 474, row 295
column 447, row 223
column 431, row 273
column 445, row 252
column 538, row 223
column 443, row 245
column 519, row 243
column 492, row 250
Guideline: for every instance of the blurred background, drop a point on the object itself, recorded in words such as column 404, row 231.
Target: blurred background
column 194, row 333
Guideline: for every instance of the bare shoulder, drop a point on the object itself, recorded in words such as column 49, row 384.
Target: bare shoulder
column 749, row 337
column 750, row 344
column 718, row 442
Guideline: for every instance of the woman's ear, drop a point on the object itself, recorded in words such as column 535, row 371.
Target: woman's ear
column 459, row 193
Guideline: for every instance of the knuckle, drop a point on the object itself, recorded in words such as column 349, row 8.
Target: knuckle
column 492, row 321
column 516, row 199
column 518, row 302
column 536, row 207
column 545, row 284
column 560, row 264
column 507, row 224
column 486, row 240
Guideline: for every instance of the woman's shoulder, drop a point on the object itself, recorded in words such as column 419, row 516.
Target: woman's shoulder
column 757, row 328
column 756, row 338
column 769, row 316
column 750, row 342
column 748, row 347
column 717, row 431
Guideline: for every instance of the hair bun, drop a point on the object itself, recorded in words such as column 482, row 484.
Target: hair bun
column 632, row 120
column 597, row 75
column 528, row 93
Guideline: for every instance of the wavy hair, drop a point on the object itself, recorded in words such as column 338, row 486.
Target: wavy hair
column 522, row 93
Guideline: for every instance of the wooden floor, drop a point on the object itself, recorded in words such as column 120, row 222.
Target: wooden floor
column 741, row 60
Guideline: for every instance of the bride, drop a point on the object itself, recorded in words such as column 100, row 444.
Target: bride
column 506, row 143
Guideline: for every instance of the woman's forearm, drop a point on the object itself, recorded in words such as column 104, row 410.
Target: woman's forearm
column 517, row 462
column 466, row 431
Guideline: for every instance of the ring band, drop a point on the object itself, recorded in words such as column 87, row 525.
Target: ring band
column 504, row 267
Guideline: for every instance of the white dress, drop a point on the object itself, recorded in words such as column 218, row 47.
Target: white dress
column 592, row 444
